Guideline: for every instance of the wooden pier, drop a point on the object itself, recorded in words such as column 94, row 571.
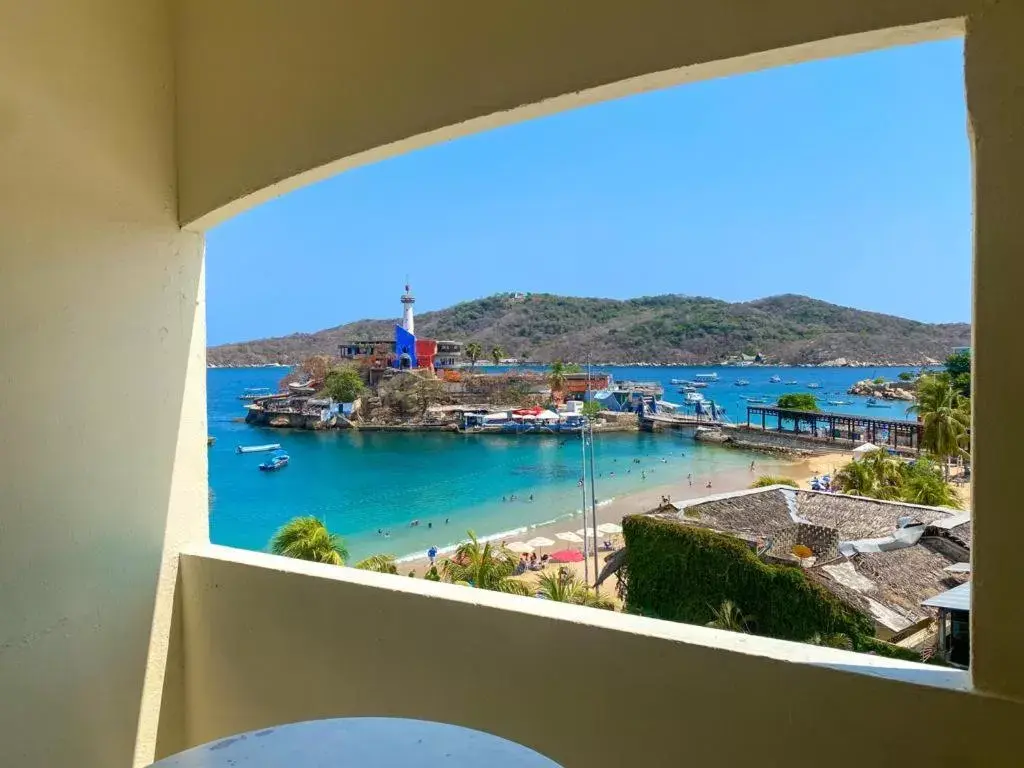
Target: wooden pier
column 895, row 433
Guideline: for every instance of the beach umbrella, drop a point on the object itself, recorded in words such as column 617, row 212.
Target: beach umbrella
column 540, row 542
column 610, row 528
column 588, row 533
column 567, row 556
column 569, row 536
column 518, row 546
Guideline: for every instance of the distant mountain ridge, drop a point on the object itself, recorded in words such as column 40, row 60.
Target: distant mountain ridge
column 668, row 329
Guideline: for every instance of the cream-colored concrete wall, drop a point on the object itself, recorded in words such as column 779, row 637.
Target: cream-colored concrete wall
column 271, row 641
column 272, row 95
column 101, row 373
column 994, row 69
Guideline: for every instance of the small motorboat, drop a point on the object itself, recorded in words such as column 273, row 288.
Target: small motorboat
column 838, row 402
column 742, row 383
column 258, row 448
column 775, row 380
column 814, row 385
column 873, row 403
column 255, row 393
column 278, row 461
column 756, row 400
column 699, row 384
column 792, row 383
column 678, row 381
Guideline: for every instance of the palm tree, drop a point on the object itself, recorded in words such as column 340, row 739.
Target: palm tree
column 876, row 475
column 474, row 352
column 946, row 416
column 378, row 564
column 565, row 587
column 307, row 538
column 855, row 479
column 556, row 376
column 484, row 566
column 765, row 480
column 729, row 616
column 923, row 483
column 496, row 354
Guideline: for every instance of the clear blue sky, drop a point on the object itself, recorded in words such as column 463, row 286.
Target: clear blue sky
column 847, row 180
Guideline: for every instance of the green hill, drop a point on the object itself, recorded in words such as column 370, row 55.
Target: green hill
column 658, row 329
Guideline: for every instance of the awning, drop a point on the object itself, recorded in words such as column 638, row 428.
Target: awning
column 957, row 599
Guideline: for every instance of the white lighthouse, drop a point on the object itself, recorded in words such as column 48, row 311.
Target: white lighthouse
column 407, row 301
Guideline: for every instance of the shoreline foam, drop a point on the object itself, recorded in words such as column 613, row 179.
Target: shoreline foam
column 637, row 502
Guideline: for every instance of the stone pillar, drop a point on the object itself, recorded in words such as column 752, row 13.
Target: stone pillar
column 994, row 72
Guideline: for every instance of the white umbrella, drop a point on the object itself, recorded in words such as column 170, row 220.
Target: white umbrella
column 864, row 449
column 588, row 533
column 569, row 536
column 518, row 546
column 610, row 528
column 541, row 542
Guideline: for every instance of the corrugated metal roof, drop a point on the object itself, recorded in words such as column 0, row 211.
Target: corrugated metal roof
column 958, row 599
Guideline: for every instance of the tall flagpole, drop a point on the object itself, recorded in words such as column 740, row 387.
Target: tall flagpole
column 593, row 490
column 583, row 487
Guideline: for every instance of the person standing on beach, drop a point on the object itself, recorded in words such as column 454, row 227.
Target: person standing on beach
column 431, row 554
column 689, row 478
column 751, row 466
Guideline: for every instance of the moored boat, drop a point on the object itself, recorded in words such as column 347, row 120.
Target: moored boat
column 278, row 461
column 814, row 385
column 258, row 448
column 874, row 403
column 741, row 383
column 255, row 393
column 775, row 380
column 706, row 377
column 792, row 383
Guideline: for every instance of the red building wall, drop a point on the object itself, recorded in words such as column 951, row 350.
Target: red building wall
column 426, row 351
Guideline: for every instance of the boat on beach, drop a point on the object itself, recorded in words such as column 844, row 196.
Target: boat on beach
column 258, row 448
column 278, row 461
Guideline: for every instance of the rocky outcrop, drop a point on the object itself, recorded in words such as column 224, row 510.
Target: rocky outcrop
column 887, row 390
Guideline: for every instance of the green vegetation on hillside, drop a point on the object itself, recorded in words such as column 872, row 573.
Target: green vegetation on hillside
column 667, row 329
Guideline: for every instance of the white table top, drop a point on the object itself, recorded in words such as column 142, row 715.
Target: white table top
column 359, row 741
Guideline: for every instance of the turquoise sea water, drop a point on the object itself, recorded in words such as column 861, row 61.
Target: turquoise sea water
column 361, row 483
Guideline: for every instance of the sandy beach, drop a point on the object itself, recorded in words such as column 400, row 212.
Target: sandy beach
column 677, row 489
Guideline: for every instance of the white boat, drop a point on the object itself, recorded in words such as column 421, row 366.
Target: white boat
column 693, row 397
column 792, row 383
column 706, row 377
column 838, row 402
column 814, row 385
column 258, row 448
column 255, row 393
column 775, row 380
column 742, row 383
column 678, row 381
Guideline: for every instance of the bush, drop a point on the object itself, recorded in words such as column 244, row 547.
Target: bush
column 682, row 573
column 591, row 409
column 798, row 401
column 906, row 376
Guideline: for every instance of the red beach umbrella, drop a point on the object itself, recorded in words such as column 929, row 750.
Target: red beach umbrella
column 567, row 556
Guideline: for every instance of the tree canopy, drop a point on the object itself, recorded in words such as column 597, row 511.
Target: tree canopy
column 880, row 476
column 344, row 384
column 798, row 401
